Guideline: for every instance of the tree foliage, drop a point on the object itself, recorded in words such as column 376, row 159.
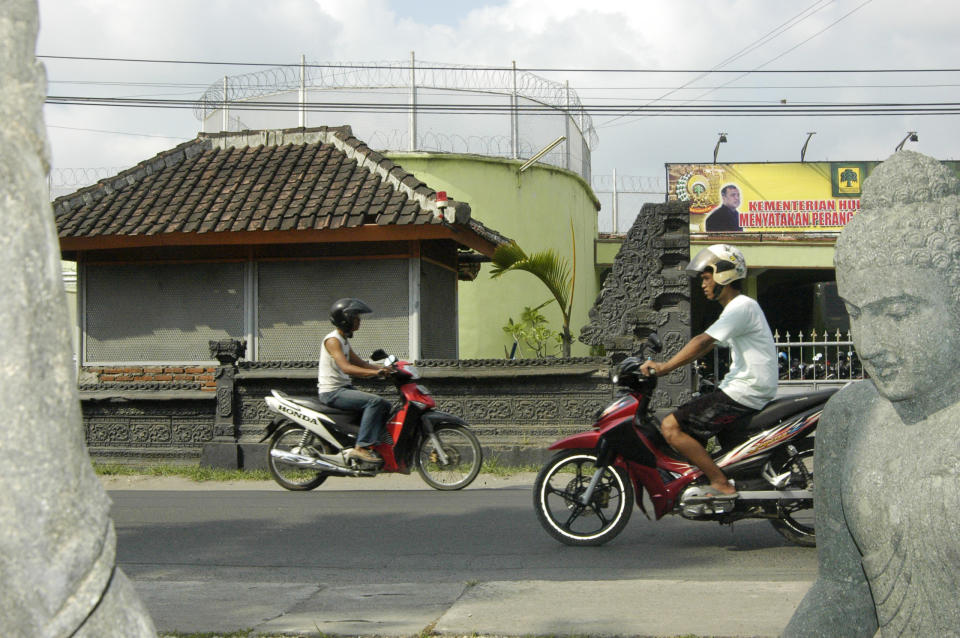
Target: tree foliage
column 533, row 331
column 554, row 271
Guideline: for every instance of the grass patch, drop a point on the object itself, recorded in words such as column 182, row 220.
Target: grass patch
column 495, row 467
column 201, row 474
column 191, row 472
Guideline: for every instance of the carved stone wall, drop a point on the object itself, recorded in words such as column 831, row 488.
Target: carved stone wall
column 517, row 408
column 648, row 291
column 138, row 428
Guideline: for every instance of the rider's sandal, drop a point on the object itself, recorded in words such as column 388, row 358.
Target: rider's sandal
column 704, row 493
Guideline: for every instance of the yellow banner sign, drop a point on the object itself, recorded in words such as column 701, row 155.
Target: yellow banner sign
column 811, row 197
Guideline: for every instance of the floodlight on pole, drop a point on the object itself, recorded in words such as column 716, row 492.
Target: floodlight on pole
column 716, row 149
column 911, row 136
column 803, row 151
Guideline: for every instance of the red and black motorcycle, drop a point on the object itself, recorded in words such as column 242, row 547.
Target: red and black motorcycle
column 585, row 494
column 310, row 441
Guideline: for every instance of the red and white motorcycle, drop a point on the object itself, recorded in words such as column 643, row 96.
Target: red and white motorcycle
column 585, row 494
column 309, row 440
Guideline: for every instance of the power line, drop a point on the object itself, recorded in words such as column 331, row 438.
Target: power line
column 764, row 40
column 774, row 109
column 428, row 67
column 97, row 130
column 781, row 28
column 796, row 46
column 580, row 89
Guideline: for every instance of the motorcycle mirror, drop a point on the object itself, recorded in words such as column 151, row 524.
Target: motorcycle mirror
column 378, row 354
column 654, row 343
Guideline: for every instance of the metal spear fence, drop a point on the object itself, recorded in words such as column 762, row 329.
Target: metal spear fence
column 819, row 358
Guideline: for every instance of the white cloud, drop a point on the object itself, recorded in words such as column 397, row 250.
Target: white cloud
column 536, row 33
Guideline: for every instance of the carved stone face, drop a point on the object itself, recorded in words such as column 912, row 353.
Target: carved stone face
column 906, row 329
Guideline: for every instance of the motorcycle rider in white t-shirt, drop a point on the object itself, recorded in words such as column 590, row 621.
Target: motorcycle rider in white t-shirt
column 338, row 362
column 750, row 383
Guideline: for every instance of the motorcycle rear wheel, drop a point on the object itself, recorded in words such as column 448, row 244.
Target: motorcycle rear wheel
column 297, row 440
column 796, row 518
column 556, row 498
column 464, row 458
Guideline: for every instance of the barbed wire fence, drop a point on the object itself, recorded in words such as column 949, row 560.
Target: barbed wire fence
column 63, row 181
column 511, row 133
column 622, row 196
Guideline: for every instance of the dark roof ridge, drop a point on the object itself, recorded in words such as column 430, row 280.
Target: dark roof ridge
column 342, row 138
column 164, row 159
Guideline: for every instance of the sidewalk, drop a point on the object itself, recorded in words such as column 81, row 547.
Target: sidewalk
column 496, row 608
column 493, row 608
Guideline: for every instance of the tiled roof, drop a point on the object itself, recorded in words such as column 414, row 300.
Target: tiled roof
column 293, row 179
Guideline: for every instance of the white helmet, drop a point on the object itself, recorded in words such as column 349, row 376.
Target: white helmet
column 725, row 262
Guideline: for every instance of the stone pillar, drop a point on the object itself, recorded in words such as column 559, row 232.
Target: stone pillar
column 58, row 574
column 224, row 450
column 648, row 291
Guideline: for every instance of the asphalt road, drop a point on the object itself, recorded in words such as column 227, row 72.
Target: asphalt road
column 419, row 536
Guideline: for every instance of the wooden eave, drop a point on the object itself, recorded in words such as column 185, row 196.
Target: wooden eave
column 366, row 233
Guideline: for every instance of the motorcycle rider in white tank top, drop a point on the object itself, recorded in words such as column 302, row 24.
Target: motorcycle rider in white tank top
column 338, row 362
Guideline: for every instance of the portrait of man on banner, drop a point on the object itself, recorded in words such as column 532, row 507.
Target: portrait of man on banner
column 725, row 217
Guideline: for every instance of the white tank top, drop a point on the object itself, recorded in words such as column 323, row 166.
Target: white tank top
column 330, row 376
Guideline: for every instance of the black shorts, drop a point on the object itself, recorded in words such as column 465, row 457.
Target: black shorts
column 710, row 414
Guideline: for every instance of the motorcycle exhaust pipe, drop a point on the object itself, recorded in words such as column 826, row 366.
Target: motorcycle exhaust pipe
column 775, row 495
column 762, row 495
column 309, row 462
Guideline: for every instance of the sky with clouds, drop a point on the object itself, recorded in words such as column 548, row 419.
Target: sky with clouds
column 555, row 34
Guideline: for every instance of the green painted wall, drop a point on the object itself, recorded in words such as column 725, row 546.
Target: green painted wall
column 535, row 209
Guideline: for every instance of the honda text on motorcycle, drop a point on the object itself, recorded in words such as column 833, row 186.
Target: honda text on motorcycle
column 309, row 440
column 584, row 495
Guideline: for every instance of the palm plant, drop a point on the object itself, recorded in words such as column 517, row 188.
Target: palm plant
column 554, row 271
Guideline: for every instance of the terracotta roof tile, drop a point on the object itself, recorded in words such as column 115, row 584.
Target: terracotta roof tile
column 263, row 181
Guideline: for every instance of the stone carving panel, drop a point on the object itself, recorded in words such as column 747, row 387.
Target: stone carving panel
column 504, row 409
column 647, row 291
column 536, row 410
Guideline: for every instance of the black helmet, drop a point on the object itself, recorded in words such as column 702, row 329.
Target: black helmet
column 343, row 311
column 629, row 373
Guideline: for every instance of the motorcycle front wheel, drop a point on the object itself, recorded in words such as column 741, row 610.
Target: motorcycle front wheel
column 557, row 499
column 295, row 440
column 463, row 458
column 795, row 522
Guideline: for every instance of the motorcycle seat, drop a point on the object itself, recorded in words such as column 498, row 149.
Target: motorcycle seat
column 772, row 414
column 779, row 409
column 318, row 406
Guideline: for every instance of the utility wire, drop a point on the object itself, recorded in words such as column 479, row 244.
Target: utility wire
column 580, row 89
column 759, row 68
column 794, row 47
column 97, row 130
column 498, row 68
column 819, row 108
column 750, row 47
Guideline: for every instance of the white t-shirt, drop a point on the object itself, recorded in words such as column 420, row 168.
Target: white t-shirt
column 330, row 376
column 752, row 379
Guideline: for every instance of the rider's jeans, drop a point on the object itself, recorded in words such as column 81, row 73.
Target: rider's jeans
column 375, row 410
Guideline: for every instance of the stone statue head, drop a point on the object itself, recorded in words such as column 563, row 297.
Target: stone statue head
column 898, row 271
